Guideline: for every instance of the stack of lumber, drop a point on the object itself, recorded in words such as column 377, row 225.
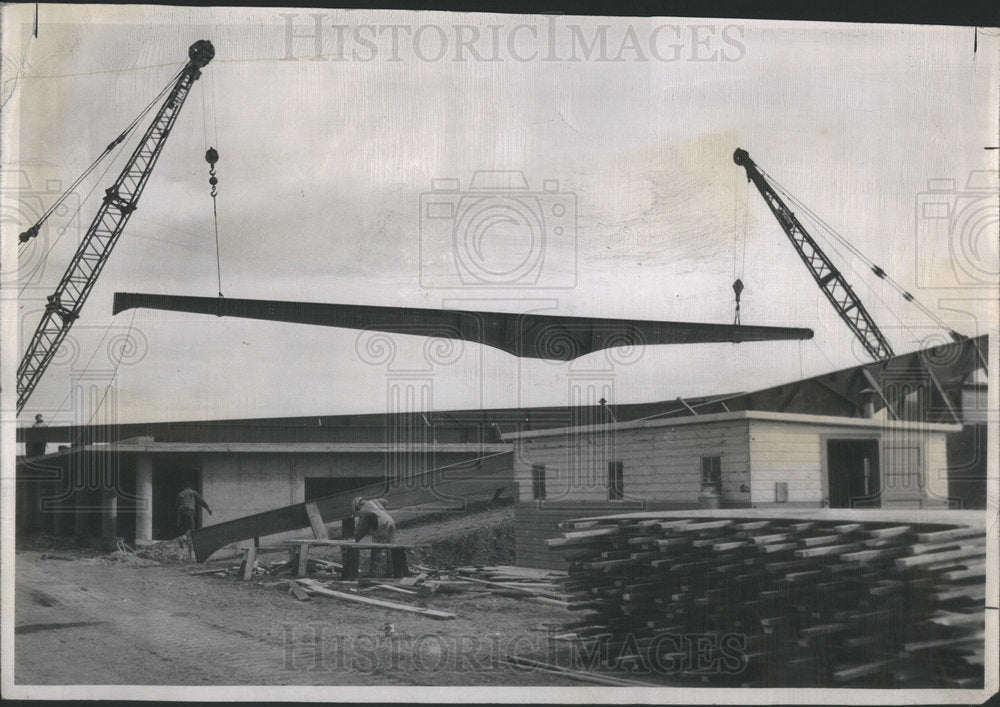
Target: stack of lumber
column 838, row 598
column 521, row 582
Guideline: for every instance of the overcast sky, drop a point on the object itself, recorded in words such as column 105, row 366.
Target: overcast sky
column 324, row 161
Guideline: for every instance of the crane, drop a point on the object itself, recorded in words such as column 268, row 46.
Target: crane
column 824, row 272
column 120, row 201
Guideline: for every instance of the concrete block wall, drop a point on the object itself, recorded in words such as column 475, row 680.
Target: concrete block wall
column 789, row 453
column 795, row 452
column 662, row 463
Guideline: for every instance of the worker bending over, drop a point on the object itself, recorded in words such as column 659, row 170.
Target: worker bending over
column 375, row 520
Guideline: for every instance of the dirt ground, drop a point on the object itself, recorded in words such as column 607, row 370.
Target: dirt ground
column 88, row 621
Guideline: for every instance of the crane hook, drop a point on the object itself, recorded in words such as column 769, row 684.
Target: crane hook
column 212, row 156
column 738, row 289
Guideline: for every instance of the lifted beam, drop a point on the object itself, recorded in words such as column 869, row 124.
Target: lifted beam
column 526, row 335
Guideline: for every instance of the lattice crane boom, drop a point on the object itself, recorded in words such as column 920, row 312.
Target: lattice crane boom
column 824, row 272
column 120, row 201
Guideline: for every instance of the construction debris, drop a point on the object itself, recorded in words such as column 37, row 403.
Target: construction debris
column 806, row 601
column 536, row 585
column 298, row 592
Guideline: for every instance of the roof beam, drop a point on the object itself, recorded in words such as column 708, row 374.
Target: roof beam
column 944, row 396
column 684, row 403
column 877, row 387
column 554, row 338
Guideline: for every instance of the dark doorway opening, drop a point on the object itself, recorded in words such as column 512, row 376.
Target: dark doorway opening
column 169, row 478
column 853, row 473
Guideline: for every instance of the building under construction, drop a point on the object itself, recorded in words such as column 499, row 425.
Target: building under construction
column 906, row 432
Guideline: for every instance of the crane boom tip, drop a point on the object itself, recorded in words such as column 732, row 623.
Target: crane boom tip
column 201, row 52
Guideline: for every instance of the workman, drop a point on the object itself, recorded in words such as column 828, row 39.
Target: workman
column 37, row 448
column 187, row 501
column 374, row 519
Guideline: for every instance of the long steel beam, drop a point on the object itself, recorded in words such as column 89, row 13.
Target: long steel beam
column 526, row 335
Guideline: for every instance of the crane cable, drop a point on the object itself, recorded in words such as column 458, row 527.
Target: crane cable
column 212, row 156
column 875, row 268
column 742, row 249
column 97, row 183
column 118, row 363
column 32, row 232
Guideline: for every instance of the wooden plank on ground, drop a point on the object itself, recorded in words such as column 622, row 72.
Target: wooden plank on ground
column 298, row 592
column 351, row 543
column 412, row 581
column 515, row 588
column 398, row 590
column 217, row 570
column 317, row 588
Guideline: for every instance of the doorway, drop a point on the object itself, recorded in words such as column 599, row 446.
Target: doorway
column 852, row 472
column 169, row 478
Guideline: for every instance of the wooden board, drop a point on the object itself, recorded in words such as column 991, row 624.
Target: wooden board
column 323, row 591
column 298, row 592
column 351, row 543
column 316, row 522
column 249, row 559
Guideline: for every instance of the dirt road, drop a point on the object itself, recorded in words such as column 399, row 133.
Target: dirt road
column 86, row 622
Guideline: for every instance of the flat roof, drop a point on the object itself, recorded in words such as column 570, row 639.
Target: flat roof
column 146, row 446
column 881, row 423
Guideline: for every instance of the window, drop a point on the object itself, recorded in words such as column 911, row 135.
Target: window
column 616, row 481
column 711, row 471
column 538, row 482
